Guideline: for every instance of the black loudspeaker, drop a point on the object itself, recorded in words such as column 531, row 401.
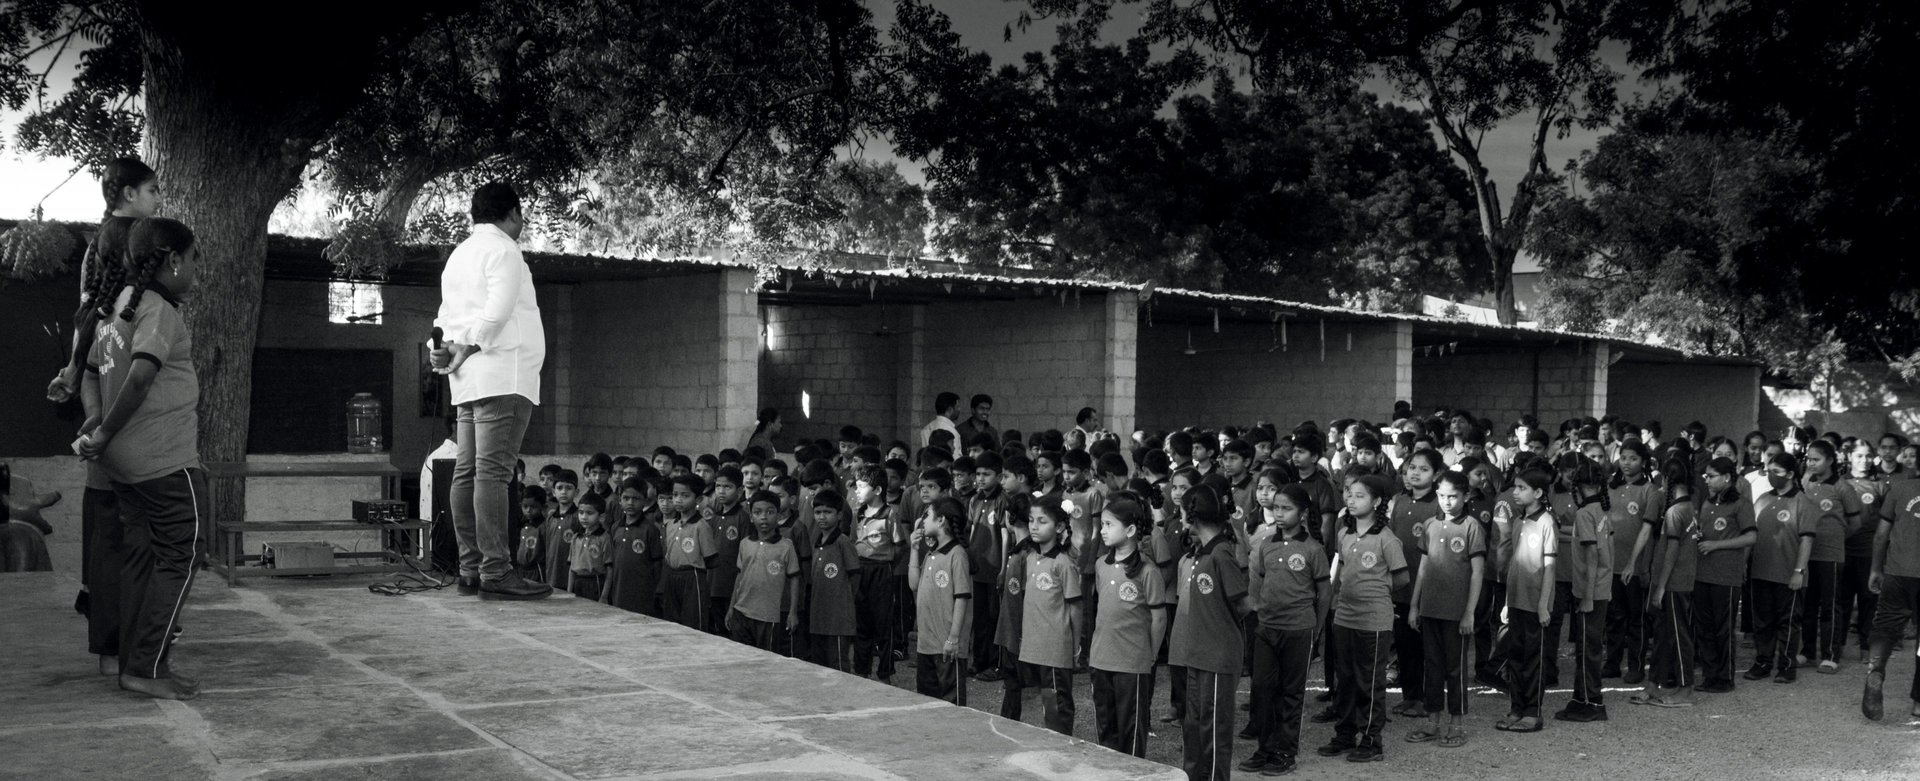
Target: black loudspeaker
column 446, row 547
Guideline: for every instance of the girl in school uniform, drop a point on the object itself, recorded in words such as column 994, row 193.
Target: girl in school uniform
column 1869, row 489
column 1013, row 596
column 1407, row 512
column 1170, row 539
column 1289, row 591
column 1483, row 490
column 1130, row 621
column 1372, row 564
column 1590, row 563
column 1050, row 610
column 1533, row 545
column 1670, row 587
column 942, row 583
column 1206, row 635
column 1726, row 531
column 1839, row 515
column 1633, row 509
column 1786, row 520
column 1447, row 591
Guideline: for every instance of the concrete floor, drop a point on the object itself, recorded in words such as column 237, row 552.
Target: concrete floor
column 320, row 679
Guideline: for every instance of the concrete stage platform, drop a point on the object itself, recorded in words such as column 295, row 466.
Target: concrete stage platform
column 320, row 679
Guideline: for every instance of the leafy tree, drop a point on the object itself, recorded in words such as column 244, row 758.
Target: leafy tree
column 1829, row 85
column 1470, row 65
column 1097, row 158
column 1688, row 239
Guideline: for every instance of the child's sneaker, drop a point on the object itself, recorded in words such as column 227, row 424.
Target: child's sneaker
column 1366, row 752
column 1871, row 705
column 1829, row 666
column 1284, row 764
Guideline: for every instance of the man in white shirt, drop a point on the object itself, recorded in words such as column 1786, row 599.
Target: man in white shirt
column 494, row 347
column 944, row 406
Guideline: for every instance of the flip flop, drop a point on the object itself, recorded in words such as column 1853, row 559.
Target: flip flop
column 1422, row 735
column 1659, row 702
column 1454, row 739
column 1527, row 724
column 1506, row 722
column 1644, row 699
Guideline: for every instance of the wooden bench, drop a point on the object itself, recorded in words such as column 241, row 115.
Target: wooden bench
column 396, row 553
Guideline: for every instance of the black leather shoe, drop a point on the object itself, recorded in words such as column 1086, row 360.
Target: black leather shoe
column 1366, row 752
column 1334, row 748
column 467, row 586
column 1758, row 672
column 514, row 587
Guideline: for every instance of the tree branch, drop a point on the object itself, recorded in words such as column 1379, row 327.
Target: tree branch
column 720, row 163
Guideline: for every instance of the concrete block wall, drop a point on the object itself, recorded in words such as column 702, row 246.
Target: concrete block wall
column 661, row 361
column 834, row 354
column 1572, row 381
column 1237, row 376
column 1726, row 398
column 1041, row 359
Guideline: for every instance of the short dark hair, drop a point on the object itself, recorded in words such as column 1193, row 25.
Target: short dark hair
column 945, row 401
column 979, row 399
column 1084, row 414
column 493, row 202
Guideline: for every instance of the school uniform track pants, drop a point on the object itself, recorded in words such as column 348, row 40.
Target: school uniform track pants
column 1899, row 602
column 1361, row 698
column 1775, row 632
column 1626, row 625
column 1672, row 624
column 986, row 601
column 1120, row 708
column 162, row 525
column 1280, row 661
column 685, row 599
column 941, row 677
column 1525, row 685
column 1056, row 695
column 1408, row 647
column 1487, row 628
column 1822, row 631
column 1209, row 725
column 1856, row 602
column 1714, row 609
column 105, row 559
column 1589, row 653
column 874, row 592
column 1446, row 658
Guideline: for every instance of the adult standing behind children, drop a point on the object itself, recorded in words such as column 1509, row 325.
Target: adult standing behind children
column 944, row 407
column 493, row 349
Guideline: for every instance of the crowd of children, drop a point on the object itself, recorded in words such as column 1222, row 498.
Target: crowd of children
column 1427, row 556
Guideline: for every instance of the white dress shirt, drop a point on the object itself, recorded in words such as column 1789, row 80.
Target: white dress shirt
column 942, row 423
column 487, row 300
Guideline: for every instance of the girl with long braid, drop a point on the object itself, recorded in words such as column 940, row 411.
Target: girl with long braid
column 141, row 373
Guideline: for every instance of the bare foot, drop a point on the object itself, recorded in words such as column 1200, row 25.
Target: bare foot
column 109, row 664
column 157, row 688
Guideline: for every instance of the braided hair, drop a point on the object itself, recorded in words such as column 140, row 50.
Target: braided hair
column 153, row 241
column 103, row 272
column 120, row 174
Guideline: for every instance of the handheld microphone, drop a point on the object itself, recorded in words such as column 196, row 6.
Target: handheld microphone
column 435, row 337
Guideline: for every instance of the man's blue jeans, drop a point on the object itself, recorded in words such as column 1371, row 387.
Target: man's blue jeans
column 489, row 436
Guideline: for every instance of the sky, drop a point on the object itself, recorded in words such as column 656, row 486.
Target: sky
column 982, row 24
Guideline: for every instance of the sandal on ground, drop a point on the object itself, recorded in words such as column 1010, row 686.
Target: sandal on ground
column 1505, row 722
column 1644, row 698
column 1423, row 735
column 1454, row 738
column 1526, row 724
column 1410, row 709
column 1662, row 702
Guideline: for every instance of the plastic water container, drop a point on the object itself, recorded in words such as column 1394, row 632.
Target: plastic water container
column 364, row 413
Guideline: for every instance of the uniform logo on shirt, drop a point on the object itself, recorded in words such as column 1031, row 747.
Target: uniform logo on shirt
column 1296, row 562
column 830, row 570
column 1129, row 592
column 775, row 568
column 686, row 544
column 1720, row 524
column 639, row 546
column 1503, row 512
column 733, row 533
column 567, row 535
column 1867, row 497
column 1911, row 503
column 1783, row 516
column 1633, row 508
column 1457, row 545
column 1045, row 582
column 1826, row 505
column 1204, row 582
column 1013, row 585
column 941, row 580
column 1368, row 559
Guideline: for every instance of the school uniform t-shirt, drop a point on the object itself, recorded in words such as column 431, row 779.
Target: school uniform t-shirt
column 985, row 517
column 1367, row 562
column 1052, row 589
column 1591, row 565
column 946, row 577
column 1632, row 507
column 635, row 574
column 1724, row 518
column 163, row 433
column 1680, row 528
column 1286, row 575
column 1506, row 513
column 1868, row 493
column 830, row 608
column 1481, row 510
column 1782, row 521
column 1205, row 634
column 1536, row 541
column 730, row 528
column 1013, row 600
column 689, row 543
column 1902, row 509
column 556, row 542
column 592, row 552
column 1408, row 515
column 1325, row 498
column 1834, row 503
column 876, row 537
column 765, row 568
column 1450, row 546
column 1563, row 512
column 529, row 558
column 1123, row 619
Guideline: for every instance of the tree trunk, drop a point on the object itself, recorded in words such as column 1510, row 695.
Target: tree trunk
column 394, row 203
